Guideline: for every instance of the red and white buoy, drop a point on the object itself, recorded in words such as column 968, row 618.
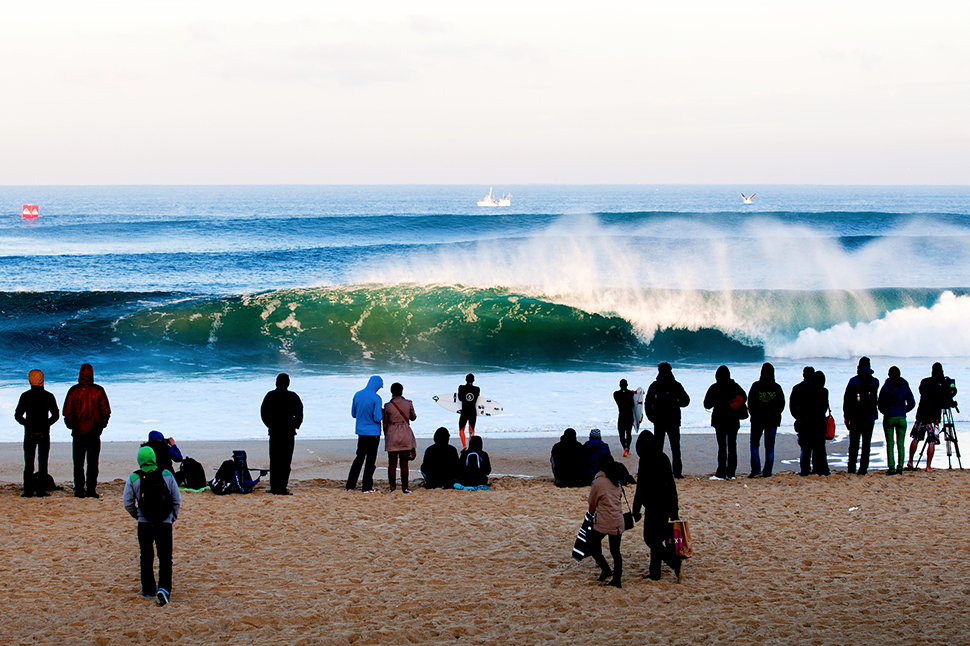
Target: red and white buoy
column 31, row 211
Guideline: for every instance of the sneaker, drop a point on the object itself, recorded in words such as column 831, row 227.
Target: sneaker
column 147, row 596
column 79, row 494
column 754, row 475
column 92, row 494
column 716, row 478
column 405, row 490
column 162, row 597
column 862, row 473
column 373, row 491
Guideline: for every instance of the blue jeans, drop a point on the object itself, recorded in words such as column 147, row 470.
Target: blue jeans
column 769, row 433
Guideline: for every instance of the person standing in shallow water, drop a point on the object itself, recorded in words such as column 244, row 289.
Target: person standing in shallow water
column 859, row 410
column 36, row 412
column 726, row 400
column 399, row 439
column 282, row 413
column 624, row 418
column 766, row 402
column 86, row 412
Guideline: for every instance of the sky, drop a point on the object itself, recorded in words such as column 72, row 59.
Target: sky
column 370, row 92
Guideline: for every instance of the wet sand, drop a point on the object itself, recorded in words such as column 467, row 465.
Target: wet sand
column 785, row 560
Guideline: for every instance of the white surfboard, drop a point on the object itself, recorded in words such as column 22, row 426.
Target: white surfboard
column 486, row 407
column 638, row 397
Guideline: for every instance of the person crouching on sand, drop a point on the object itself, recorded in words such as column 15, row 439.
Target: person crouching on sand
column 607, row 511
column 399, row 439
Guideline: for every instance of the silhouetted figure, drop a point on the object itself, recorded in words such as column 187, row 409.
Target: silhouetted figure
column 282, row 413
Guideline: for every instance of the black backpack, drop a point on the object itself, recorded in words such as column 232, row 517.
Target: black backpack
column 191, row 475
column 233, row 476
column 154, row 498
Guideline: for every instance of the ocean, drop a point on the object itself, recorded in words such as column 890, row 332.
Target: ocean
column 188, row 300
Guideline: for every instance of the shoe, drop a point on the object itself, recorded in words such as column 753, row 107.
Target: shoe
column 716, row 478
column 391, row 489
column 862, row 473
column 730, row 478
column 27, row 494
column 42, row 494
column 754, row 475
column 899, row 472
column 405, row 490
column 162, row 597
column 626, row 453
column 373, row 491
column 804, row 475
column 604, row 575
column 652, row 577
column 92, row 494
column 679, row 476
column 281, row 493
column 892, row 472
column 910, row 467
column 850, row 470
column 615, row 583
column 147, row 596
column 766, row 475
column 79, row 494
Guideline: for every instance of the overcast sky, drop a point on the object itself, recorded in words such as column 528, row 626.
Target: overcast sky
column 499, row 92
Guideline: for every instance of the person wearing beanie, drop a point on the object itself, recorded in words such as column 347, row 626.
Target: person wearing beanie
column 568, row 460
column 727, row 402
column 36, row 411
column 662, row 403
column 799, row 412
column 624, row 418
column 86, row 413
column 934, row 395
column 895, row 400
column 766, row 403
column 155, row 512
column 166, row 451
column 595, row 449
column 282, row 413
column 860, row 411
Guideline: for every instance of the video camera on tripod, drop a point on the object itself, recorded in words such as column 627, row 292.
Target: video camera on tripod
column 951, row 392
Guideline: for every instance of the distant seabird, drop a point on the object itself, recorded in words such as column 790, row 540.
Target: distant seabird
column 747, row 200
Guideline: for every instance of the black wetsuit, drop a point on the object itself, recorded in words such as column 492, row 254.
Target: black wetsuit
column 468, row 395
column 624, row 419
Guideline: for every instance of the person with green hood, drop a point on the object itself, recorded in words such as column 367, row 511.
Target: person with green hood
column 152, row 498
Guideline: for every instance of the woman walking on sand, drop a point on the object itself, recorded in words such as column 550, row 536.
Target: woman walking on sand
column 657, row 495
column 398, row 437
column 607, row 511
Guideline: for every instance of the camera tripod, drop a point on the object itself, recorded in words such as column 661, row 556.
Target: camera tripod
column 948, row 433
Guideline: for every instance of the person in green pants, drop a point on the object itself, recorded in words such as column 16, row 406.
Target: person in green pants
column 895, row 400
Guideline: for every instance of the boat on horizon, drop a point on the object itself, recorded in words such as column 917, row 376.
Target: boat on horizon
column 488, row 200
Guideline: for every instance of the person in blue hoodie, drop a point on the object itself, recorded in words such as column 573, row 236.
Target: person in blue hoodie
column 367, row 409
column 895, row 400
column 155, row 533
column 859, row 411
column 596, row 448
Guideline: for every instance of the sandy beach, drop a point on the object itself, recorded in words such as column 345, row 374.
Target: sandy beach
column 866, row 560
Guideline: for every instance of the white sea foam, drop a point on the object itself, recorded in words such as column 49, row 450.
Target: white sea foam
column 938, row 331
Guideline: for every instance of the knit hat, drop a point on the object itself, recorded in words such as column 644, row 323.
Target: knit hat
column 595, row 434
column 35, row 377
column 156, row 435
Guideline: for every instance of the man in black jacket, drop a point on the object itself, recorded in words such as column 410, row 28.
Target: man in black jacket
column 662, row 405
column 860, row 411
column 36, row 412
column 282, row 413
column 766, row 403
column 801, row 428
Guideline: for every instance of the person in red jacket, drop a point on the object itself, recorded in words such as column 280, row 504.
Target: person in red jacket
column 86, row 412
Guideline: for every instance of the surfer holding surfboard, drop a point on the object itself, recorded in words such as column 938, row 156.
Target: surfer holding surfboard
column 624, row 419
column 468, row 396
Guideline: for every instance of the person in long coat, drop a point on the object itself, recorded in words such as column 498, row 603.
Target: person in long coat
column 399, row 439
column 656, row 495
column 607, row 509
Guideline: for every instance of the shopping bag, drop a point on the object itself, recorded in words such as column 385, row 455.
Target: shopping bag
column 679, row 540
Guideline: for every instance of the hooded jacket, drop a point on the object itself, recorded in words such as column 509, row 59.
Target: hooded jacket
column 568, row 460
column 896, row 398
column 367, row 408
column 605, row 505
column 719, row 397
column 473, row 464
column 934, row 394
column 282, row 409
column 656, row 491
column 664, row 399
column 86, row 409
column 861, row 398
column 146, row 463
column 766, row 400
column 814, row 404
column 440, row 465
column 595, row 450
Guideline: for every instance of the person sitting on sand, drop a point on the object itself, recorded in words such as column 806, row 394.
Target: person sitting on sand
column 155, row 513
column 36, row 411
column 568, row 460
column 440, row 466
column 727, row 402
column 399, row 439
column 473, row 464
column 166, row 451
column 607, row 510
column 657, row 495
column 895, row 400
column 595, row 448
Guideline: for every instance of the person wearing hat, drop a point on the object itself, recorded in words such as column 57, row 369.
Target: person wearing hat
column 596, row 448
column 36, row 412
column 860, row 411
column 664, row 399
column 166, row 451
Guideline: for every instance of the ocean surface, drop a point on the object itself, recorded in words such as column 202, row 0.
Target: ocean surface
column 189, row 299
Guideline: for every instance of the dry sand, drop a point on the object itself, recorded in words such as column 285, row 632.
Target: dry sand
column 785, row 560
